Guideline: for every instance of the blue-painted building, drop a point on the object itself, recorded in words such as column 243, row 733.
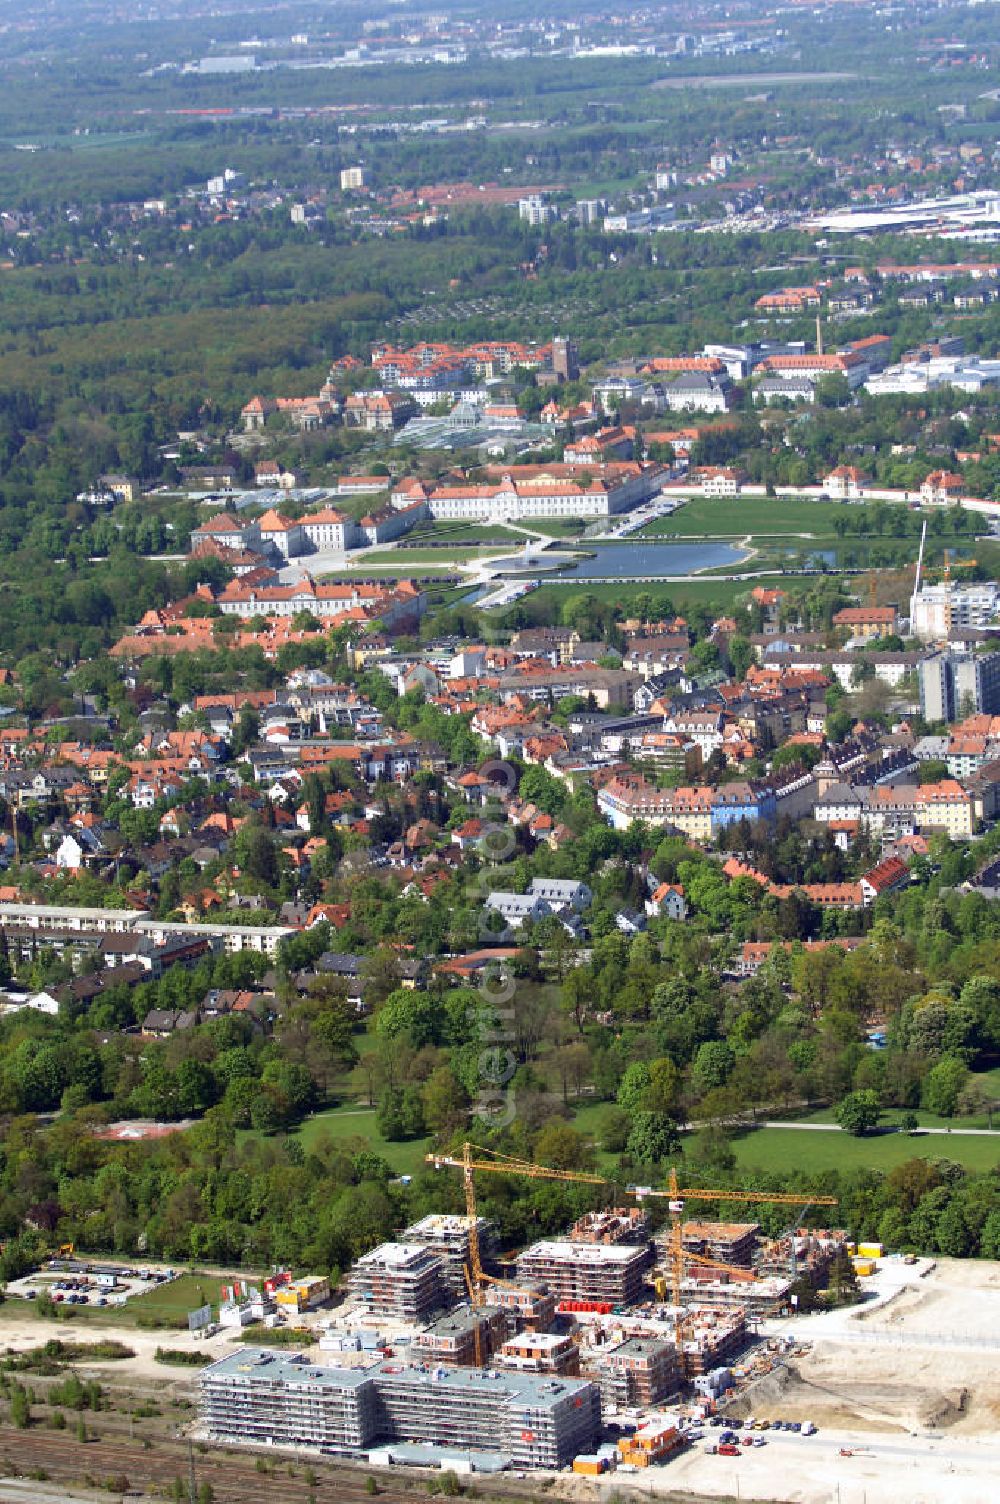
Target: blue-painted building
column 733, row 802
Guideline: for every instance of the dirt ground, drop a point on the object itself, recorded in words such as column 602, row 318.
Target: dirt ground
column 17, row 1333
column 905, row 1396
column 917, row 1363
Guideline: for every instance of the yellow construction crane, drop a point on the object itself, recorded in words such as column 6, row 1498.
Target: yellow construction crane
column 493, row 1162
column 676, row 1196
column 496, row 1164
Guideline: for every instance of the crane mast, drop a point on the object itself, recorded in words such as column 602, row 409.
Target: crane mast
column 490, row 1161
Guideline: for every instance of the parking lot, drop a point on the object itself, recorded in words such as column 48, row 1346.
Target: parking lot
column 85, row 1282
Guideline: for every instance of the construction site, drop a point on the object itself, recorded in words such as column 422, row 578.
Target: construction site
column 608, row 1347
column 896, row 1396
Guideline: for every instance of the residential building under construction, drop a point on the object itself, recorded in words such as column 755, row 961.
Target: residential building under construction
column 462, row 1338
column 711, row 1339
column 614, row 1224
column 638, row 1373
column 540, row 1352
column 726, row 1242
column 400, row 1281
column 759, row 1296
column 599, row 1273
column 255, row 1395
column 447, row 1237
column 803, row 1254
column 529, row 1307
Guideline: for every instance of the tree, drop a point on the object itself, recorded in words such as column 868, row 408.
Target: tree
column 256, row 854
column 537, row 786
column 989, row 1241
column 562, row 1148
column 446, row 1103
column 713, row 1064
column 416, row 1016
column 859, row 1112
column 740, row 655
column 653, row 1138
column 943, row 1087
column 652, row 1087
column 951, row 1234
column 843, row 1280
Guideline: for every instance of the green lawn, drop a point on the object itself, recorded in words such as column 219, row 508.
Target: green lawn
column 351, row 1122
column 783, row 1149
column 168, row 1304
column 172, row 1302
column 403, row 560
column 590, row 1117
column 454, row 555
column 746, row 514
column 465, row 531
column 555, row 527
column 987, row 1081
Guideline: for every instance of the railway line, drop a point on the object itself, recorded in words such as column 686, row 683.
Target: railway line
column 235, row 1477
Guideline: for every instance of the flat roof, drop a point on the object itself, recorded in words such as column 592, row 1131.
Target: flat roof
column 135, row 919
column 425, row 1454
column 640, row 1347
column 264, row 1364
column 538, row 1340
column 285, row 1368
column 439, row 1222
column 722, row 1230
column 399, row 1255
column 530, row 1389
column 585, row 1253
column 464, row 1319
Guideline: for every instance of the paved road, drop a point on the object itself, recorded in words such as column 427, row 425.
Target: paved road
column 920, row 1132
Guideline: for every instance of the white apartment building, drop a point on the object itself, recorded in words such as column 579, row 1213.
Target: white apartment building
column 936, row 609
column 722, row 482
column 516, row 909
column 561, row 893
column 282, row 534
column 696, row 391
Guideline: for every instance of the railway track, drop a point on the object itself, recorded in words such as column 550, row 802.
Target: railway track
column 234, row 1478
